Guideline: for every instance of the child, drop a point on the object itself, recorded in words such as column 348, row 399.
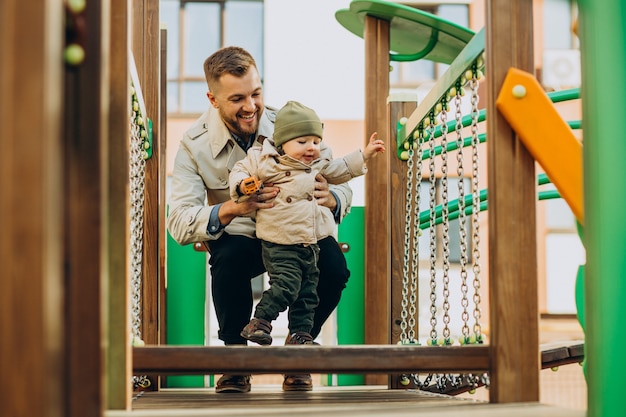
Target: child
column 290, row 230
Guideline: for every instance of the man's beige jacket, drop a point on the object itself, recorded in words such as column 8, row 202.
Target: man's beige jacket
column 206, row 155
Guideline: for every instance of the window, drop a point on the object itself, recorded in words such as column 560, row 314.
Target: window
column 558, row 18
column 454, row 231
column 560, row 68
column 414, row 74
column 196, row 29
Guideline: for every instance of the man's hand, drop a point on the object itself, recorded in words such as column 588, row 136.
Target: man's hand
column 322, row 194
column 262, row 199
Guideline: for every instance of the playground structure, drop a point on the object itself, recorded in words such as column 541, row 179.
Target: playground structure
column 168, row 360
column 74, row 354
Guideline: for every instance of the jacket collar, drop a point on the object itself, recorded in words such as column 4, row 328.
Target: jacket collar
column 220, row 135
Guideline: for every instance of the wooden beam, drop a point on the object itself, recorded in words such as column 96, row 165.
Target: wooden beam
column 32, row 359
column 188, row 360
column 153, row 282
column 116, row 214
column 85, row 149
column 162, row 175
column 514, row 315
column 377, row 243
column 399, row 106
column 146, row 50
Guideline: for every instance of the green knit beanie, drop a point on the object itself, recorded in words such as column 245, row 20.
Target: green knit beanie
column 295, row 120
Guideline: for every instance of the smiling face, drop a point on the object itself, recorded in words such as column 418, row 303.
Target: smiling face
column 239, row 100
column 305, row 149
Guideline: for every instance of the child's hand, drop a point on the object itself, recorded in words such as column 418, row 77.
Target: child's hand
column 250, row 186
column 374, row 147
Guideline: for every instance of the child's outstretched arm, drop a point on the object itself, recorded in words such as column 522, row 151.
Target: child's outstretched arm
column 374, row 147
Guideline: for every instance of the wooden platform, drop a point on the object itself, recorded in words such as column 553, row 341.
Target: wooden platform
column 270, row 400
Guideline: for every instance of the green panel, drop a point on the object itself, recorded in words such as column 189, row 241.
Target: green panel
column 351, row 308
column 462, row 62
column 602, row 32
column 414, row 34
column 185, row 304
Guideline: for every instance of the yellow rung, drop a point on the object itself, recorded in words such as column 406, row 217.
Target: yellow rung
column 528, row 109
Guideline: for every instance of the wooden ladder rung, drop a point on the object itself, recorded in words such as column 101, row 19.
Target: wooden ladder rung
column 204, row 360
column 561, row 353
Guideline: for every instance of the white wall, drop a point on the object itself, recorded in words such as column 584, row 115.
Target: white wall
column 311, row 58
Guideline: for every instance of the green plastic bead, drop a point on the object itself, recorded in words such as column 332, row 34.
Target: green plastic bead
column 74, row 54
column 76, row 6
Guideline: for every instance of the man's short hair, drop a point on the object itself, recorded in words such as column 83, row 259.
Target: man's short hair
column 228, row 60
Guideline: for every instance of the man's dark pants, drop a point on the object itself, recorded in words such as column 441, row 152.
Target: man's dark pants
column 235, row 260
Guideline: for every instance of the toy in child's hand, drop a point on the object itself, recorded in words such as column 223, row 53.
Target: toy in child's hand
column 250, row 185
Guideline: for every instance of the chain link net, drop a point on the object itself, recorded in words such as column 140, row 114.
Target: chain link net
column 461, row 382
column 408, row 324
column 137, row 170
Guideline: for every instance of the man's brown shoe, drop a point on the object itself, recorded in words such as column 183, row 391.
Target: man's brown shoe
column 299, row 382
column 233, row 383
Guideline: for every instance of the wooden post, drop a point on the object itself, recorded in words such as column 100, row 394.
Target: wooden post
column 116, row 214
column 162, row 175
column 377, row 237
column 85, row 150
column 146, row 50
column 32, row 351
column 398, row 107
column 514, row 317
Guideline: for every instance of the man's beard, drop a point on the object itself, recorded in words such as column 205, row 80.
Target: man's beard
column 239, row 129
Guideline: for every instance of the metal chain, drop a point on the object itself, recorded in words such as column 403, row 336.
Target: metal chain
column 141, row 382
column 445, row 223
column 417, row 232
column 475, row 208
column 413, row 180
column 461, row 207
column 455, row 381
column 137, row 173
column 408, row 210
column 137, row 186
column 433, row 233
